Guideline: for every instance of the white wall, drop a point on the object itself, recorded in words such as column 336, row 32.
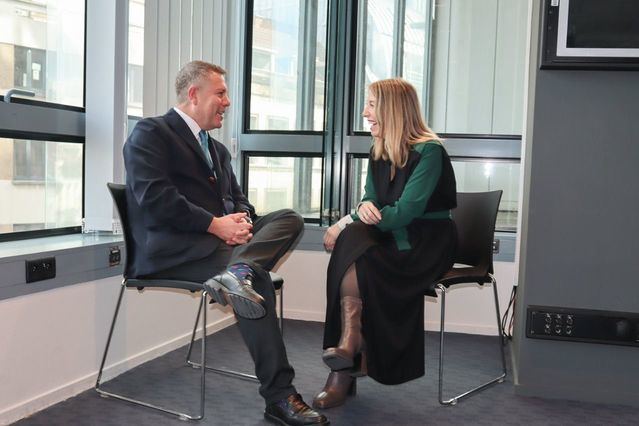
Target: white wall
column 53, row 341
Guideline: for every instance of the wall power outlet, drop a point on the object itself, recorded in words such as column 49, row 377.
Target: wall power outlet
column 40, row 269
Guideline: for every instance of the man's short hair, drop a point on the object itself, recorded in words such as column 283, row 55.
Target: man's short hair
column 192, row 73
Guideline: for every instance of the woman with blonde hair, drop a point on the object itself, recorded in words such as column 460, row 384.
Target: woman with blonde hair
column 389, row 253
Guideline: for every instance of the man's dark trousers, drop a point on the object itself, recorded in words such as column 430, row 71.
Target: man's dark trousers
column 273, row 235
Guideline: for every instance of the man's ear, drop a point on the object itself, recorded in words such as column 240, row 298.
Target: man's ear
column 192, row 92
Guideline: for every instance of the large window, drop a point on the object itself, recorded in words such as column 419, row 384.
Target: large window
column 287, row 56
column 41, row 147
column 284, row 109
column 41, row 182
column 464, row 57
column 136, row 58
column 478, row 67
column 277, row 182
column 42, row 49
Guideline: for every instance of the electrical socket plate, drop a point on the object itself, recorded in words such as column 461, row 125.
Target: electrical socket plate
column 40, row 269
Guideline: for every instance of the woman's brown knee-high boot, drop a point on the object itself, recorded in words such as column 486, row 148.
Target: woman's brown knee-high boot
column 338, row 386
column 351, row 342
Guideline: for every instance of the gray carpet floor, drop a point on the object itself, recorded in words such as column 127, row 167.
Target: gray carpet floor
column 230, row 401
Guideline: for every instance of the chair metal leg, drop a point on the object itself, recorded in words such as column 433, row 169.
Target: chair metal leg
column 220, row 370
column 499, row 379
column 102, row 392
column 502, row 342
column 281, row 318
column 108, row 342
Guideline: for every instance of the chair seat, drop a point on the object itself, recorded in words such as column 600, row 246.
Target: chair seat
column 157, row 283
column 277, row 280
column 467, row 274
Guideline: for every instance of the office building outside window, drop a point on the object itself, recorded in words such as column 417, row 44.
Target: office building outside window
column 42, row 49
column 41, row 174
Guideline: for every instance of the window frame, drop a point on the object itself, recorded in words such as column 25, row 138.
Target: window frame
column 304, row 87
column 53, row 113
column 275, row 154
column 55, row 105
column 38, row 233
column 339, row 143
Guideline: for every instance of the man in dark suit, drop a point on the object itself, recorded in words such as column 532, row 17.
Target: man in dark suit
column 191, row 221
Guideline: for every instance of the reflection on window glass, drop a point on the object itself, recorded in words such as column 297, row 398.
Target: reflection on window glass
column 285, row 182
column 288, row 58
column 375, row 51
column 42, row 49
column 472, row 83
column 479, row 52
column 416, row 22
column 358, row 172
column 478, row 176
column 43, row 181
column 471, row 176
column 136, row 58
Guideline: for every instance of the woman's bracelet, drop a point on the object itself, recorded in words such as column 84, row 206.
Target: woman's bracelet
column 346, row 220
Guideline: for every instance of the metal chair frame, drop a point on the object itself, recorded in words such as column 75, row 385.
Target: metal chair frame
column 223, row 370
column 482, row 264
column 117, row 192
column 498, row 379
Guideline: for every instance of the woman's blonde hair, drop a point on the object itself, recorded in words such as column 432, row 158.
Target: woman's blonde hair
column 399, row 119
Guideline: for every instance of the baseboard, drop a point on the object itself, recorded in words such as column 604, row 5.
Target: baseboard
column 320, row 316
column 482, row 330
column 296, row 314
column 70, row 389
column 578, row 393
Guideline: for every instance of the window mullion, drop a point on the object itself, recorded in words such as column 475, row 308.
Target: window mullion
column 335, row 99
column 360, row 62
column 428, row 46
column 398, row 38
column 307, row 49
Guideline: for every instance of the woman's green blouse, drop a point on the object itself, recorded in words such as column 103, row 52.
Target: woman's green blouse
column 412, row 203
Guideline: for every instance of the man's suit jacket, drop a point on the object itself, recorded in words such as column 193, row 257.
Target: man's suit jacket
column 172, row 194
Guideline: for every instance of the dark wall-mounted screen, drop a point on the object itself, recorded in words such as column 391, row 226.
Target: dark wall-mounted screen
column 591, row 34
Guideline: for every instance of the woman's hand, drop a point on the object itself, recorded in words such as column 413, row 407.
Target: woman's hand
column 368, row 213
column 330, row 237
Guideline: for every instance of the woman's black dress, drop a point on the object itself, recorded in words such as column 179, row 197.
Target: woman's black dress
column 393, row 282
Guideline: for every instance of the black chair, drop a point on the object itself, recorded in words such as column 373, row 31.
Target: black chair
column 475, row 218
column 119, row 197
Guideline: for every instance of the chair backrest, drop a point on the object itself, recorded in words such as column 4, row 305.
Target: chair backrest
column 475, row 217
column 118, row 193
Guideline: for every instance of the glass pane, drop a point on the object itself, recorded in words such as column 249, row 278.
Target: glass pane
column 136, row 58
column 358, row 172
column 42, row 49
column 416, row 24
column 374, row 51
column 288, row 58
column 477, row 176
column 477, row 73
column 285, row 182
column 472, row 176
column 43, row 182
